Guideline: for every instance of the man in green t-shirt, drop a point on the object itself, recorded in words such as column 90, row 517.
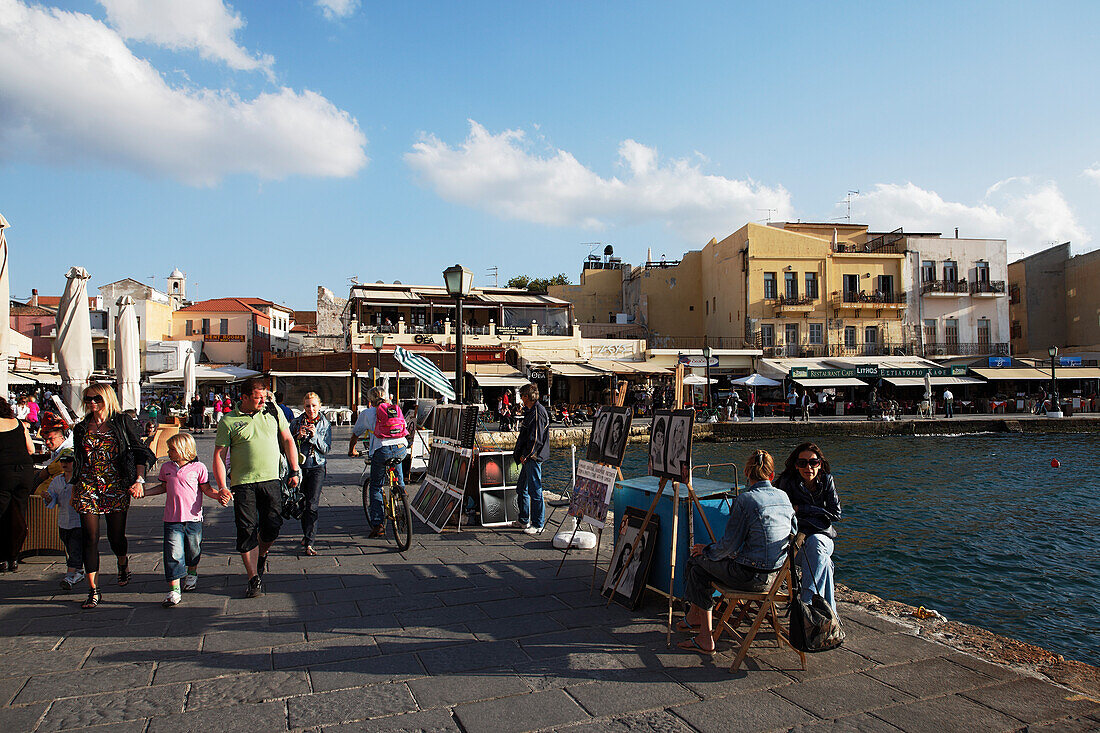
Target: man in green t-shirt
column 252, row 433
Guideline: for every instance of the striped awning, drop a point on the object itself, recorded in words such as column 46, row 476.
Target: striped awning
column 425, row 370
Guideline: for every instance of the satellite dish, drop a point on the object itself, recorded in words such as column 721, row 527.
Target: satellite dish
column 397, row 282
column 379, row 282
column 609, row 250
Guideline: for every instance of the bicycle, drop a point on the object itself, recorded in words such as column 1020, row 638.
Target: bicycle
column 397, row 514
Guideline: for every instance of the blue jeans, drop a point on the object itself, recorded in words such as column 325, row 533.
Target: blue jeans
column 378, row 476
column 529, row 493
column 948, row 408
column 816, row 561
column 182, row 548
column 752, row 413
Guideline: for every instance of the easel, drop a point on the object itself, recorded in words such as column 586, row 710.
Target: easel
column 694, row 505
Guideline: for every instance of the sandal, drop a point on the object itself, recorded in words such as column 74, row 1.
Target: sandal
column 93, row 599
column 308, row 551
column 685, row 626
column 124, row 573
column 692, row 645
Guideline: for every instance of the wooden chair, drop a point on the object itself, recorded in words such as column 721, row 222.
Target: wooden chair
column 763, row 605
column 42, row 534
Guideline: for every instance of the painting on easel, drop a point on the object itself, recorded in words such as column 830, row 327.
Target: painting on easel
column 634, row 574
column 670, row 444
column 610, row 431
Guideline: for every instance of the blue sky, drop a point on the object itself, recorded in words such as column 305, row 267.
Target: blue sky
column 268, row 147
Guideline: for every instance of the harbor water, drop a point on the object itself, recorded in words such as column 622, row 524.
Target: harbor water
column 979, row 527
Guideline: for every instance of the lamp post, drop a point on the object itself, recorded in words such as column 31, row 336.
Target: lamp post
column 706, row 360
column 1055, row 403
column 377, row 341
column 459, row 282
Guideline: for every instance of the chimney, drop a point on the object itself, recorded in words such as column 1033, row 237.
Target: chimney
column 34, row 296
column 956, row 232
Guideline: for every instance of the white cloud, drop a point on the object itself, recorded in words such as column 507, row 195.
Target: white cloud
column 1027, row 214
column 70, row 90
column 501, row 174
column 334, row 9
column 1093, row 173
column 206, row 26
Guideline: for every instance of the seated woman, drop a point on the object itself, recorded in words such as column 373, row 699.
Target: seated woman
column 746, row 558
column 808, row 482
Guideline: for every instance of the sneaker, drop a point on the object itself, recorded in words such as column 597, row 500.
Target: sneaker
column 71, row 579
column 255, row 587
column 533, row 530
column 172, row 599
column 378, row 531
column 520, row 525
column 190, row 582
column 261, row 565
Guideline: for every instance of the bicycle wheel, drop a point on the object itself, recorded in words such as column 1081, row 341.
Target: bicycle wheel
column 401, row 524
column 366, row 501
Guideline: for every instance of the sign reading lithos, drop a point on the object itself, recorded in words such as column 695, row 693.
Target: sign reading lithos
column 223, row 337
column 615, row 351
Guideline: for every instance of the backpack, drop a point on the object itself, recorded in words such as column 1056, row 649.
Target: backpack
column 390, row 422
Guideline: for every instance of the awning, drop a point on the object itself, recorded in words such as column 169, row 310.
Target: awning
column 40, row 377
column 313, row 374
column 629, row 367
column 494, row 381
column 936, row 381
column 832, row 382
column 570, row 369
column 14, row 378
column 1013, row 374
column 1075, row 372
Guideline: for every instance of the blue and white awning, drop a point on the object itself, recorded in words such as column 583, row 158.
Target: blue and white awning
column 425, row 371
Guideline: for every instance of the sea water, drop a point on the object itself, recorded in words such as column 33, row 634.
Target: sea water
column 980, row 528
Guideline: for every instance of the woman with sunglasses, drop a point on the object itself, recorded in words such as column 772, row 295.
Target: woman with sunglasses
column 808, row 480
column 108, row 468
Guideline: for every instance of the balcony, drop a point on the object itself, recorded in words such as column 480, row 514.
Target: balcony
column 694, row 343
column 787, row 304
column 852, row 300
column 988, row 288
column 945, row 288
column 885, row 349
column 964, row 349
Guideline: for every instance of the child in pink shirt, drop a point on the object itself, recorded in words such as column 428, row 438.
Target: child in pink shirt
column 184, row 479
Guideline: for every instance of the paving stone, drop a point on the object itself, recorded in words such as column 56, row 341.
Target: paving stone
column 519, row 713
column 119, row 633
column 129, row 726
column 362, row 672
column 436, row 585
column 443, row 615
column 753, row 711
column 227, row 641
column 86, row 682
column 849, row 612
column 566, row 642
column 946, row 715
column 488, row 629
column 862, row 723
column 9, row 686
column 522, row 606
column 826, row 664
column 156, row 649
column 930, row 677
column 468, row 657
column 319, row 630
column 342, row 706
column 365, row 592
column 247, row 688
column 397, row 604
column 269, row 716
column 423, row 638
column 895, row 648
column 653, row 721
column 347, row 609
column 332, row 649
column 715, row 679
column 115, row 707
column 27, row 663
column 21, row 717
column 996, row 671
column 424, row 721
column 212, row 665
column 615, row 697
column 476, row 594
column 270, row 601
column 573, row 669
column 454, row 689
column 835, row 697
column 1032, row 700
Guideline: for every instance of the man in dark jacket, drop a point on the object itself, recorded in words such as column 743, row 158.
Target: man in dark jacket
column 532, row 448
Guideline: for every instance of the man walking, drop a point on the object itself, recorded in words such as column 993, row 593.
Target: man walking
column 948, row 403
column 253, row 432
column 532, row 448
column 792, row 402
column 751, row 400
column 804, row 398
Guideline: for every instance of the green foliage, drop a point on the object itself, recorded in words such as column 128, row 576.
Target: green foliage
column 538, row 284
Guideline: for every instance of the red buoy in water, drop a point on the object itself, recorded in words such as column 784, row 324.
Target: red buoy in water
column 1054, row 463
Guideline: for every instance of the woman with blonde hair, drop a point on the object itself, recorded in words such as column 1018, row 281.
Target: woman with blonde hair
column 108, row 468
column 746, row 558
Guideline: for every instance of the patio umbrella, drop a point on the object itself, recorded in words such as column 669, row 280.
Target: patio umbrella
column 756, row 380
column 128, row 355
column 74, row 340
column 203, row 375
column 425, row 371
column 696, row 379
column 5, row 317
column 189, row 377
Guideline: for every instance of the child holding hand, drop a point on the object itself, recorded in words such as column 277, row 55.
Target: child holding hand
column 60, row 494
column 184, row 479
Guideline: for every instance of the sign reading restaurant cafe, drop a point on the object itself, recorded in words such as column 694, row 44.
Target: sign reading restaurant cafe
column 874, row 372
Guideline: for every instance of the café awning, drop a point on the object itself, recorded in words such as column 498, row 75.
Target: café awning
column 1075, row 372
column 497, row 375
column 574, row 369
column 1013, row 374
column 832, row 382
column 936, row 381
column 628, row 367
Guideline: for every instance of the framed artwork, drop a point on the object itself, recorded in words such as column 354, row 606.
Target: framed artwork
column 592, row 493
column 599, row 434
column 670, row 444
column 511, row 470
column 492, row 507
column 492, row 470
column 658, row 439
column 618, row 431
column 636, row 573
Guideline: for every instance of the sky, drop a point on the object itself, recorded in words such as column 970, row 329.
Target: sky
column 266, row 148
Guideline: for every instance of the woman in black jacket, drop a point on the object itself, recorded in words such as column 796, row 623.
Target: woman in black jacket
column 808, row 480
column 108, row 468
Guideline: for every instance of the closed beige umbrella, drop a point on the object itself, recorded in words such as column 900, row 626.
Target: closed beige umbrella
column 188, row 378
column 75, row 360
column 5, row 311
column 128, row 355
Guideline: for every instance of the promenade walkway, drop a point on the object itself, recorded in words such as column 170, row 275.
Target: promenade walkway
column 468, row 631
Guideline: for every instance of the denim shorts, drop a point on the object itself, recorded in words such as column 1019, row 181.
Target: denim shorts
column 182, row 548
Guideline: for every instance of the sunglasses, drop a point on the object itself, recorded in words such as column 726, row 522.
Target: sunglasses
column 94, row 399
column 807, row 463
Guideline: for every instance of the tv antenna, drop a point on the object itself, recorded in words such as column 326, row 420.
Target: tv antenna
column 771, row 213
column 592, row 246
column 848, row 201
column 495, row 273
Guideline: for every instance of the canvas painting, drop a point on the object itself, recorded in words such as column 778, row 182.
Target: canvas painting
column 658, row 439
column 599, row 434
column 617, row 433
column 670, row 444
column 592, row 494
column 635, row 573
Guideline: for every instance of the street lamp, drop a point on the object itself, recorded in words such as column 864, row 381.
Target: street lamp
column 459, row 282
column 706, row 360
column 377, row 341
column 1056, row 404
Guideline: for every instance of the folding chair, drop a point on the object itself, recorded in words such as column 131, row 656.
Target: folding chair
column 764, row 606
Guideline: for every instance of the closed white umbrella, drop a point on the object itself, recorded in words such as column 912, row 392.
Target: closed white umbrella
column 696, row 379
column 927, row 385
column 189, row 377
column 5, row 317
column 74, row 340
column 756, row 380
column 128, row 355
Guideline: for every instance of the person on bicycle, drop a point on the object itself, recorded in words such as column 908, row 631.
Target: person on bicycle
column 379, row 451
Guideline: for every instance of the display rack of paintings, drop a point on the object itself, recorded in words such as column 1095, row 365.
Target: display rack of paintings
column 456, row 423
column 497, row 475
column 444, row 482
column 670, row 444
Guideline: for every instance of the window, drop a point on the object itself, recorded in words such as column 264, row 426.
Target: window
column 790, row 285
column 791, row 334
column 982, row 271
column 223, row 327
column 206, row 326
column 851, row 288
column 850, row 337
column 189, row 329
column 811, row 285
column 817, row 334
column 37, row 329
column 930, row 334
column 983, row 331
column 1017, row 330
column 950, row 271
column 886, row 284
column 951, row 331
column 927, row 271
column 870, row 334
column 1014, row 294
column 767, row 334
column 771, row 289
column 706, row 303
column 175, row 287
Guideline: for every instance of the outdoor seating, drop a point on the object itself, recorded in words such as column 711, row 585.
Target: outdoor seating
column 41, row 528
column 759, row 607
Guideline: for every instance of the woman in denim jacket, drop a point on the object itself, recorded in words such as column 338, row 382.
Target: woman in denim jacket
column 746, row 558
column 808, row 481
column 312, row 432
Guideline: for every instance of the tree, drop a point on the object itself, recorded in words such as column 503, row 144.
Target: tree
column 538, row 284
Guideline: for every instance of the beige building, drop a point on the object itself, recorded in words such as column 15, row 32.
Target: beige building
column 152, row 307
column 232, row 331
column 1054, row 301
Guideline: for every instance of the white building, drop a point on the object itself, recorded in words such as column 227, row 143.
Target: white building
column 282, row 321
column 958, row 299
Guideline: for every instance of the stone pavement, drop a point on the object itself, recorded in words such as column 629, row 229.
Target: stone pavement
column 468, row 631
